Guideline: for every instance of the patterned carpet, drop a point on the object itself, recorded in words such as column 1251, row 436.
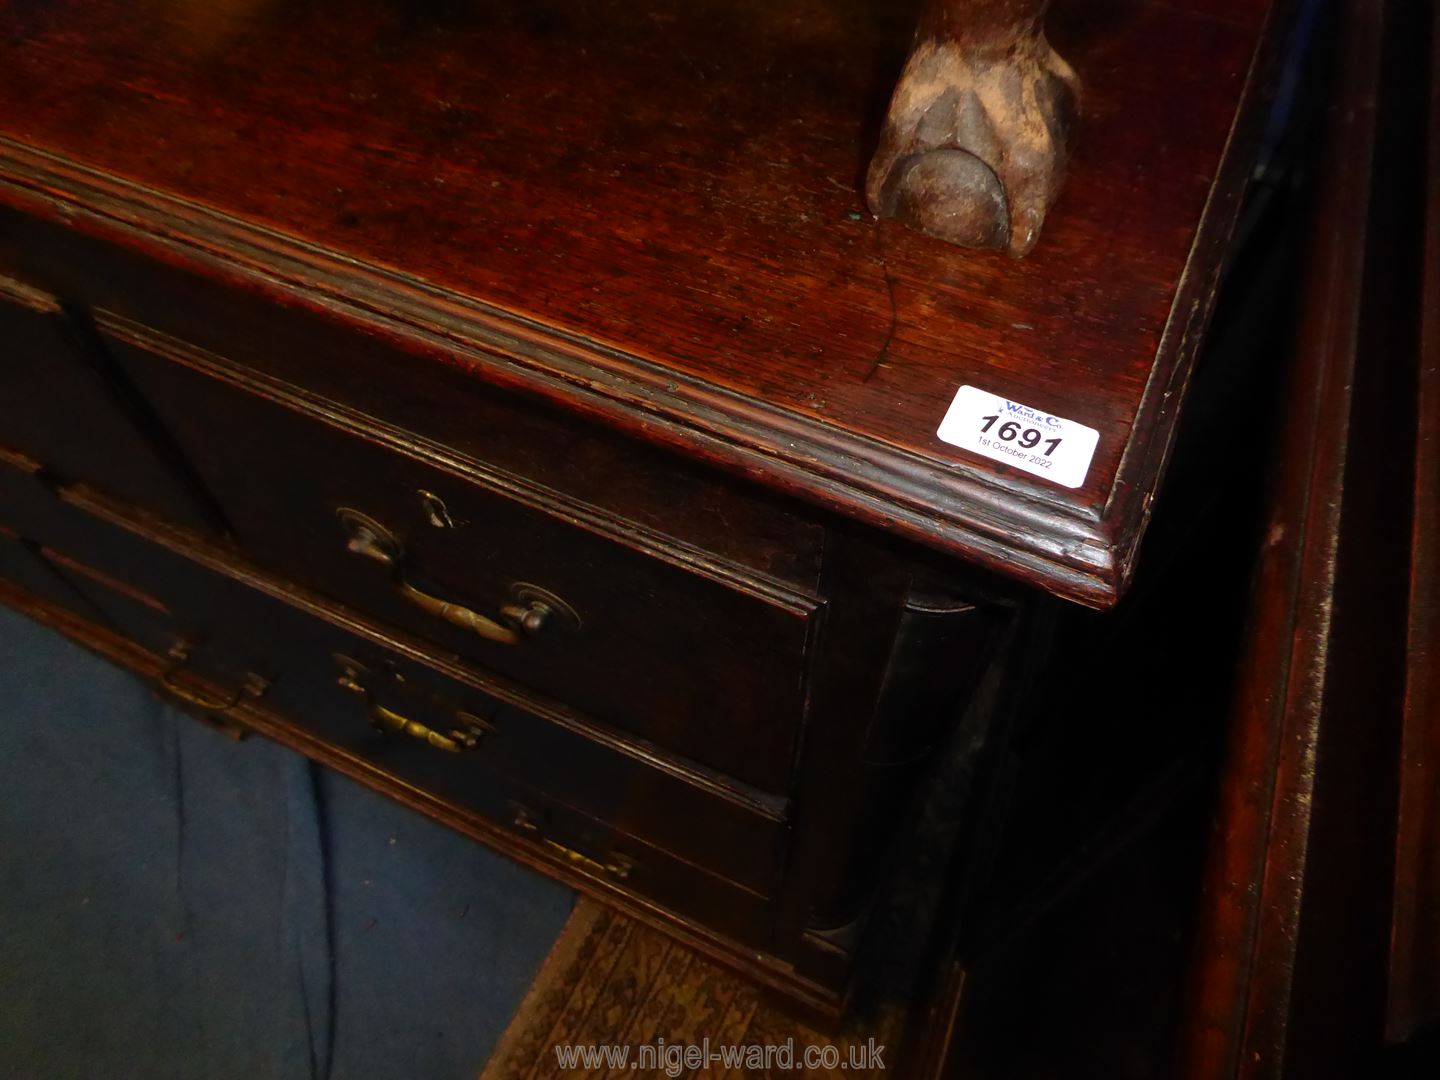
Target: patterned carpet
column 611, row 982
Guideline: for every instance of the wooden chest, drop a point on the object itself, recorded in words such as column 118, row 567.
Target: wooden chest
column 514, row 407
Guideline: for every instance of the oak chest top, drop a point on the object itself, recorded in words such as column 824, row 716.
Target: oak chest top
column 651, row 214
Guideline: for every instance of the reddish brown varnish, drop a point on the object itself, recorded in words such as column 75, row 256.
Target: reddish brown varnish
column 652, row 213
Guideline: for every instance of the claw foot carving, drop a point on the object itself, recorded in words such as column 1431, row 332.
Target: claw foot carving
column 976, row 142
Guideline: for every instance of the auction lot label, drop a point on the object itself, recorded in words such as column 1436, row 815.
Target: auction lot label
column 1002, row 430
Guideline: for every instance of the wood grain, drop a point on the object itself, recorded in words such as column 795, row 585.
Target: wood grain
column 665, row 230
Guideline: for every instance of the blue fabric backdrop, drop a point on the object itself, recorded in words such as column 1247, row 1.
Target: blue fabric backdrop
column 175, row 904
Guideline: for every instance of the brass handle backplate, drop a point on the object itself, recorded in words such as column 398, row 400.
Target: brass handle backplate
column 613, row 865
column 530, row 611
column 253, row 686
column 466, row 734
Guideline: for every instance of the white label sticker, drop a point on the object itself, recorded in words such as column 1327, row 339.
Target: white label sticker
column 1004, row 430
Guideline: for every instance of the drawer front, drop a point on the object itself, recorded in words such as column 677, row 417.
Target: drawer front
column 29, row 510
column 422, row 385
column 655, row 642
column 370, row 686
column 64, row 403
column 23, row 566
column 355, row 689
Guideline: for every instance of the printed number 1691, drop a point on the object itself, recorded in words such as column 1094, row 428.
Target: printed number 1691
column 1026, row 437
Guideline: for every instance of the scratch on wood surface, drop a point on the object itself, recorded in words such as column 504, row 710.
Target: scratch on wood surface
column 883, row 353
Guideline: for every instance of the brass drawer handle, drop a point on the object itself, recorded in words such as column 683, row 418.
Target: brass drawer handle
column 466, row 735
column 254, row 686
column 615, row 865
column 531, row 610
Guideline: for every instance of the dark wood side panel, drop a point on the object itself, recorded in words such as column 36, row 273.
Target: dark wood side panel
column 1415, row 942
column 1289, row 965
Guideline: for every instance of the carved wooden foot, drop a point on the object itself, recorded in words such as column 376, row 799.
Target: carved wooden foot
column 975, row 144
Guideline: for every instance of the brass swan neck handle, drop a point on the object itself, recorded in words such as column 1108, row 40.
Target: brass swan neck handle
column 529, row 613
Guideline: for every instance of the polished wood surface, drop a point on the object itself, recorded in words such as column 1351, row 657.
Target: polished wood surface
column 653, row 216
